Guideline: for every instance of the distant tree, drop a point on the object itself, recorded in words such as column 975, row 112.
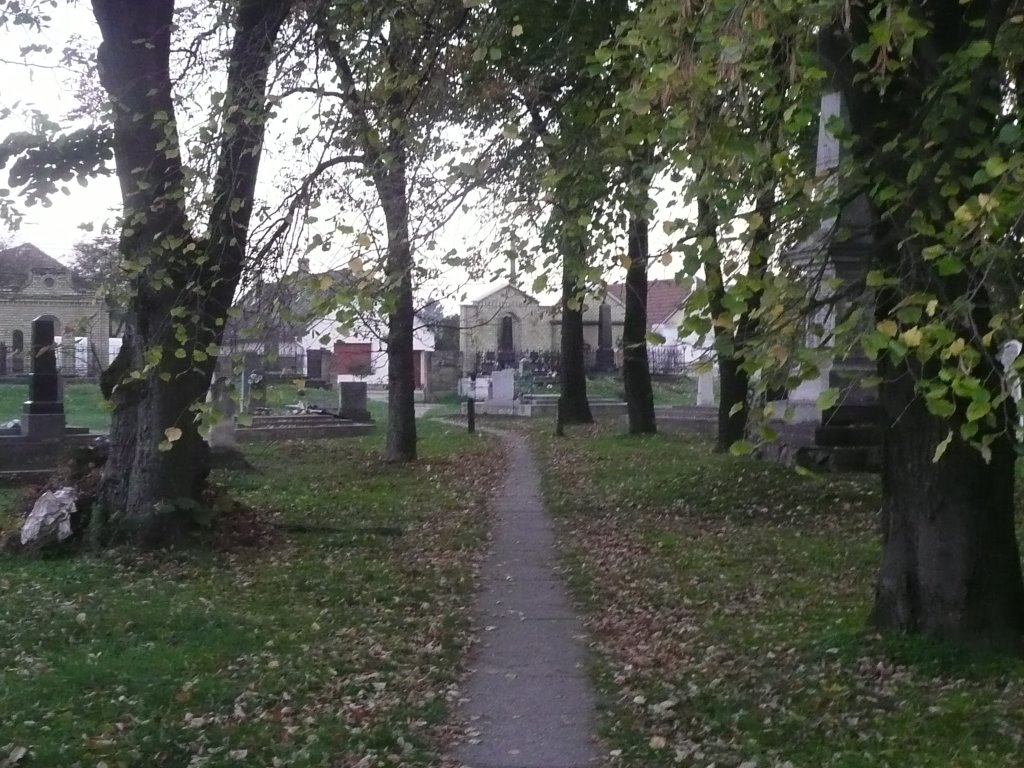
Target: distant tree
column 391, row 67
column 99, row 261
column 446, row 334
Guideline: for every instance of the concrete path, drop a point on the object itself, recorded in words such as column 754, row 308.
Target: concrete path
column 528, row 703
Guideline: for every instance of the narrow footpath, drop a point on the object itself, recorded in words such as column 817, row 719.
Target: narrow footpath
column 527, row 701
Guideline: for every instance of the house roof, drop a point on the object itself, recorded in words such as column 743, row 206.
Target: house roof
column 664, row 298
column 19, row 262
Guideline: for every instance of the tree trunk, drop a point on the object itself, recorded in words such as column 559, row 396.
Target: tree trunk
column 733, row 379
column 158, row 463
column 950, row 565
column 574, row 408
column 733, row 391
column 401, row 434
column 636, row 370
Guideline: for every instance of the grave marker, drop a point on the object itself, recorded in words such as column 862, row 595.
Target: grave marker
column 44, row 410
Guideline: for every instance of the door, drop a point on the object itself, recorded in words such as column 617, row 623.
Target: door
column 352, row 359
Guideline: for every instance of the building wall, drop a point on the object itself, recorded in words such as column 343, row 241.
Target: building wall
column 480, row 324
column 536, row 328
column 326, row 330
column 88, row 318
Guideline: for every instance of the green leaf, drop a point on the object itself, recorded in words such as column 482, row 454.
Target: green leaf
column 979, row 49
column 874, row 279
column 941, row 447
column 828, row 398
column 741, row 448
column 995, row 166
column 978, row 409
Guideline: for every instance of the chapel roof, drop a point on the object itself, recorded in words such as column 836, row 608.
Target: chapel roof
column 18, row 262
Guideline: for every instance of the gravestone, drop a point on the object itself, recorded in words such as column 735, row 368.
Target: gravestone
column 706, row 389
column 482, row 388
column 314, row 364
column 503, row 386
column 3, row 359
column 841, row 248
column 605, row 360
column 352, row 401
column 222, row 434
column 17, row 353
column 850, row 243
column 43, row 417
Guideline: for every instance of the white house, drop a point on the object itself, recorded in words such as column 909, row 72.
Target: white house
column 362, row 354
column 286, row 324
column 665, row 300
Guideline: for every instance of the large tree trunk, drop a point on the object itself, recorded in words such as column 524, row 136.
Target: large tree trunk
column 573, row 406
column 636, row 370
column 401, row 434
column 950, row 565
column 156, row 469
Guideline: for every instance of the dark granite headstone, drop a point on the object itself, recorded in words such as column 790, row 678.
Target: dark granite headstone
column 605, row 359
column 44, row 410
column 314, row 364
column 44, row 386
column 352, row 400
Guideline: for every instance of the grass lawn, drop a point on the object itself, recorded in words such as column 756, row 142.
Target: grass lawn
column 667, row 391
column 727, row 601
column 319, row 648
column 85, row 407
column 83, row 404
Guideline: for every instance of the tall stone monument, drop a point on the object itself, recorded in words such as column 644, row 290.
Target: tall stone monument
column 43, row 417
column 840, row 250
column 605, row 358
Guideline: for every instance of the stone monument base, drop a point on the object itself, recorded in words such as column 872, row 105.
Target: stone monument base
column 43, row 426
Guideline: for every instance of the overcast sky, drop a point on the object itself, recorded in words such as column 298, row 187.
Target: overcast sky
column 50, row 88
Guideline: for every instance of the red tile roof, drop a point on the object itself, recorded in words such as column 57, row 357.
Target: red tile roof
column 664, row 298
